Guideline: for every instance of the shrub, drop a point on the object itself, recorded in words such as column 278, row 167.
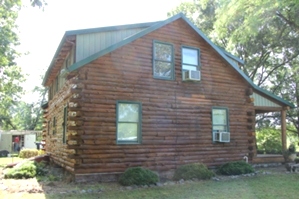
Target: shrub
column 190, row 171
column 41, row 152
column 260, row 151
column 235, row 168
column 138, row 176
column 27, row 169
column 41, row 168
column 28, row 153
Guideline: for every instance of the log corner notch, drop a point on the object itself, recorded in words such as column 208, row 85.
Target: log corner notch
column 250, row 99
column 249, row 91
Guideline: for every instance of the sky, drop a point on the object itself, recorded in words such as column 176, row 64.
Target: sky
column 40, row 31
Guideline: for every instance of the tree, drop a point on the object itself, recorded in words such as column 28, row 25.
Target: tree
column 201, row 13
column 11, row 75
column 28, row 116
column 255, row 14
column 276, row 66
column 38, row 3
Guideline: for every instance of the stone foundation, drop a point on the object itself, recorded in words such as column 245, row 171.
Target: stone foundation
column 97, row 177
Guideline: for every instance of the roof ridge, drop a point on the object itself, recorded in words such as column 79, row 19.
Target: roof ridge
column 110, row 28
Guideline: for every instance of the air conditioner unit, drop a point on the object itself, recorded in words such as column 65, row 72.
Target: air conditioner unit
column 222, row 136
column 191, row 75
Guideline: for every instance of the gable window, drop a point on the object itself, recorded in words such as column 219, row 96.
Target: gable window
column 190, row 58
column 220, row 121
column 128, row 122
column 163, row 60
column 190, row 64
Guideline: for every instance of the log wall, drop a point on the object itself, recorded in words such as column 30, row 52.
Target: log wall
column 176, row 115
column 53, row 133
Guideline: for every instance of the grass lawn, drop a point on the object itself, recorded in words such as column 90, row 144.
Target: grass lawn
column 262, row 186
column 8, row 160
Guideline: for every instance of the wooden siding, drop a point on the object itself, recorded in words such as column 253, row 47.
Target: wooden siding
column 88, row 44
column 176, row 115
column 53, row 134
column 262, row 101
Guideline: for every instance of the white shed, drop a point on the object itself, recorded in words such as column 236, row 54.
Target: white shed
column 27, row 139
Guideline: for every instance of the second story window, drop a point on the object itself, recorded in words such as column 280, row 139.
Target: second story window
column 190, row 58
column 190, row 64
column 163, row 60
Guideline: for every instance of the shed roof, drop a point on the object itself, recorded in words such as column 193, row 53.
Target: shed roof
column 150, row 28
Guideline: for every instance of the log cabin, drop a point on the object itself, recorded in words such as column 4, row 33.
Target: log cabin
column 156, row 95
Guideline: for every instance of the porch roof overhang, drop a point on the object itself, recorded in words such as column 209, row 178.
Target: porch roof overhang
column 265, row 104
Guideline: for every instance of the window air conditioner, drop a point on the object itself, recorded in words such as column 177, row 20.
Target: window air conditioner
column 222, row 136
column 192, row 75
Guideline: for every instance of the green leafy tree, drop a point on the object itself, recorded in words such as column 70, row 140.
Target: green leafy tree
column 275, row 66
column 201, row 13
column 10, row 93
column 269, row 140
column 28, row 116
column 254, row 15
column 11, row 75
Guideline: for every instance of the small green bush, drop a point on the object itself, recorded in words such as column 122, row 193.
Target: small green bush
column 41, row 168
column 138, row 176
column 28, row 153
column 190, row 171
column 235, row 168
column 27, row 169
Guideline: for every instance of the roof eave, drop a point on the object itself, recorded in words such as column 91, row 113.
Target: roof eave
column 54, row 59
column 279, row 99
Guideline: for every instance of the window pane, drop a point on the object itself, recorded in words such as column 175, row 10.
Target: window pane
column 190, row 56
column 162, row 69
column 219, row 116
column 127, row 131
column 188, row 67
column 219, row 128
column 163, row 52
column 128, row 112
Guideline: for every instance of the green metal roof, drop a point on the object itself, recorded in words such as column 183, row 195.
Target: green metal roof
column 110, row 28
column 237, row 59
column 154, row 26
column 92, row 30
